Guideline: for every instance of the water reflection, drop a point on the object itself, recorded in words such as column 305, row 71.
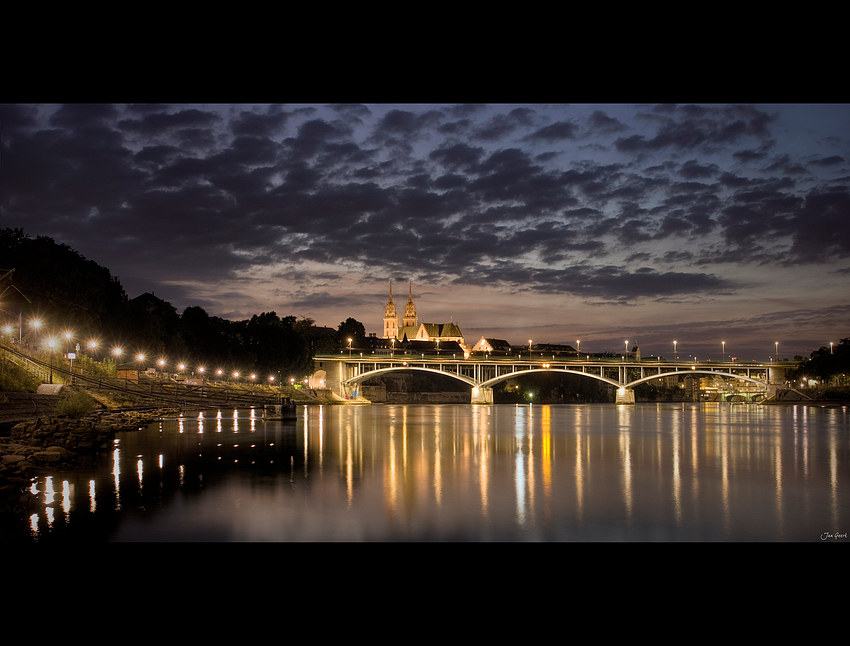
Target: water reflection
column 530, row 472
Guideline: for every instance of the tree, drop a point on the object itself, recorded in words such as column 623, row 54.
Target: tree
column 351, row 329
column 824, row 363
column 63, row 287
column 277, row 346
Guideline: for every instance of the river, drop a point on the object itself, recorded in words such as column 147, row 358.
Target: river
column 595, row 472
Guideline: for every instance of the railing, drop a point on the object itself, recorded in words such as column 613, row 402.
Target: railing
column 171, row 392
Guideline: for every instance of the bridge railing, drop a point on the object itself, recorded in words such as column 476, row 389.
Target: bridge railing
column 525, row 359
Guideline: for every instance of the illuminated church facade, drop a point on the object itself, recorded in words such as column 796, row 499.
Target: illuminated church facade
column 410, row 328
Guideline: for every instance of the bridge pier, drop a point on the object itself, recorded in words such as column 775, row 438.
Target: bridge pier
column 624, row 396
column 482, row 395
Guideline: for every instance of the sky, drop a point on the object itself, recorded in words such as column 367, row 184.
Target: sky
column 551, row 222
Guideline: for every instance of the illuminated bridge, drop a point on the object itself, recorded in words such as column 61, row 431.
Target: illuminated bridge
column 343, row 374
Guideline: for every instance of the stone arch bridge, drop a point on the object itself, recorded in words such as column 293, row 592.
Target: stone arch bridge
column 343, row 374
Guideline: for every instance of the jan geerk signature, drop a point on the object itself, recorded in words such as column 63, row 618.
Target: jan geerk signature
column 834, row 535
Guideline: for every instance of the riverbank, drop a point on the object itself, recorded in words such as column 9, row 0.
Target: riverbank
column 832, row 396
column 60, row 443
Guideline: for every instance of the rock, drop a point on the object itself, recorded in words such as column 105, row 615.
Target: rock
column 47, row 457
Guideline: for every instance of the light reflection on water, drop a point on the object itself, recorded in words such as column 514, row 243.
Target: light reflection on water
column 661, row 472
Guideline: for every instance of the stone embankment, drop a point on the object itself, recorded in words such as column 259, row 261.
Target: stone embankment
column 60, row 443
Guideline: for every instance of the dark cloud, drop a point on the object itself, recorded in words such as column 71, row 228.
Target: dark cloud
column 155, row 124
column 693, row 170
column 554, row 132
column 259, row 124
column 601, row 123
column 826, row 162
column 699, row 127
column 503, row 125
column 820, row 226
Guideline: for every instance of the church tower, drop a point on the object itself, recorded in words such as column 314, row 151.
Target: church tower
column 390, row 318
column 410, row 319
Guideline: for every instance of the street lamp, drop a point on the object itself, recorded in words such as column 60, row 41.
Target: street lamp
column 349, row 348
column 830, row 347
column 626, row 356
column 51, row 344
column 674, row 350
column 724, row 350
column 578, row 350
column 776, row 344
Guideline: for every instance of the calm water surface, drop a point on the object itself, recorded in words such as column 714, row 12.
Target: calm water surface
column 665, row 472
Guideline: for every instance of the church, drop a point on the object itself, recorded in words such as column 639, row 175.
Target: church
column 410, row 328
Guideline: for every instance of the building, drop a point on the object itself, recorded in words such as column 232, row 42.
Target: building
column 410, row 328
column 498, row 347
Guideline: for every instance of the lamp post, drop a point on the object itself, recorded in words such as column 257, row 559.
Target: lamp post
column 140, row 358
column 116, row 356
column 830, row 347
column 68, row 355
column 776, row 354
column 51, row 344
column 349, row 348
column 724, row 350
column 626, row 355
column 578, row 349
column 674, row 350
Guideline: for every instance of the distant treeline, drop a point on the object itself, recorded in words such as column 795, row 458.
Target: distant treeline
column 56, row 285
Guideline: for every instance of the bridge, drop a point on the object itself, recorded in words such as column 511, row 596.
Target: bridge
column 343, row 374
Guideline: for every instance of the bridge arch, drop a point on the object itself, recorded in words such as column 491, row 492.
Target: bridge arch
column 495, row 380
column 685, row 373
column 373, row 373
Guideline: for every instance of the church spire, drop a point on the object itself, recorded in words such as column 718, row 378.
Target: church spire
column 390, row 318
column 410, row 318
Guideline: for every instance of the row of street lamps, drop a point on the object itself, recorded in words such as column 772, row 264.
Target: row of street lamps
column 93, row 345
